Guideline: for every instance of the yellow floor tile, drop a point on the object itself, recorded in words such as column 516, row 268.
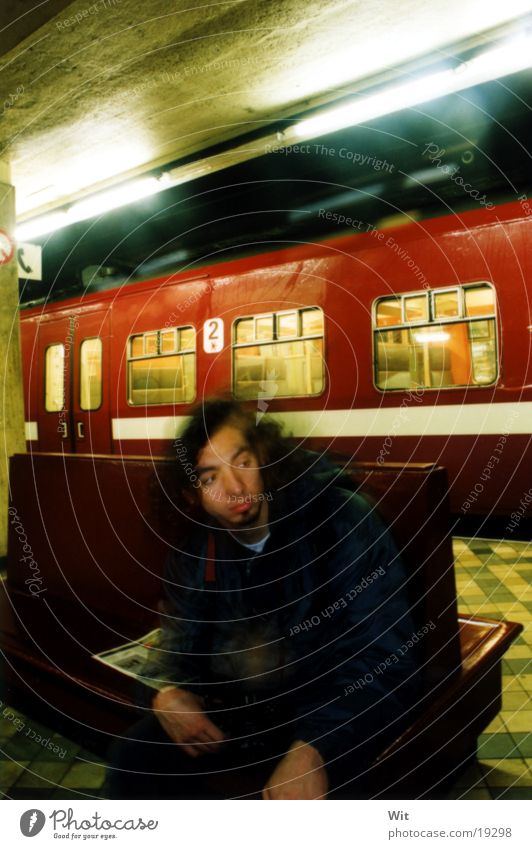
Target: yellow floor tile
column 511, row 682
column 497, row 725
column 11, row 770
column 520, row 721
column 525, row 595
column 84, row 775
column 517, row 652
column 513, row 606
column 513, row 700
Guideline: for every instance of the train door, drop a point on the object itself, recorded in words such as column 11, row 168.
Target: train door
column 54, row 344
column 73, row 404
column 90, row 384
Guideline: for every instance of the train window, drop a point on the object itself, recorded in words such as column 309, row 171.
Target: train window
column 244, row 330
column 416, row 308
column 162, row 367
column 187, row 339
column 150, row 343
column 446, row 304
column 312, row 322
column 264, row 327
column 137, row 346
column 287, row 325
column 90, row 374
column 388, row 312
column 168, row 341
column 484, row 359
column 279, row 354
column 54, row 378
column 480, row 300
column 445, row 350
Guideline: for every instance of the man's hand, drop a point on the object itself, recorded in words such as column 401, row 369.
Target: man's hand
column 300, row 775
column 182, row 716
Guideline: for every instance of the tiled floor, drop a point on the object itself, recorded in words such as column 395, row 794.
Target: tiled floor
column 493, row 579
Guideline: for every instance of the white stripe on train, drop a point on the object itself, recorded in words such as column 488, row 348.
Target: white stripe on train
column 32, row 431
column 409, row 420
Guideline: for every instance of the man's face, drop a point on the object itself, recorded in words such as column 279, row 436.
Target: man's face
column 232, row 489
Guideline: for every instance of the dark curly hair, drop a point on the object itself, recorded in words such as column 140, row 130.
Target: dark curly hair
column 280, row 460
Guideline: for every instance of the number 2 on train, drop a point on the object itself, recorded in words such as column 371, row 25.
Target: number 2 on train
column 213, row 335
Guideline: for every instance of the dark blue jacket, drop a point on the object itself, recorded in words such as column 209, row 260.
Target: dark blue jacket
column 318, row 623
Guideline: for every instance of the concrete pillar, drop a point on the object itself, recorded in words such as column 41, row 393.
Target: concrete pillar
column 12, row 437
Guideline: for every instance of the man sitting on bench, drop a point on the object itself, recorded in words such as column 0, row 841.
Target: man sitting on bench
column 289, row 652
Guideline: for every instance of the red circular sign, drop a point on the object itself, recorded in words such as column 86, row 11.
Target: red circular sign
column 7, row 248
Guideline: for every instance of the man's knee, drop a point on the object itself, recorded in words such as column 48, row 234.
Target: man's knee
column 136, row 757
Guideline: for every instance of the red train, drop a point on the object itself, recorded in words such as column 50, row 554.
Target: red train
column 408, row 343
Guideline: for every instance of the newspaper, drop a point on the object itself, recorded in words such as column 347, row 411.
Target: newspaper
column 136, row 658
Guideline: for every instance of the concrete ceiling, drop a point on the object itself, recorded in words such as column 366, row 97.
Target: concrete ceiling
column 97, row 90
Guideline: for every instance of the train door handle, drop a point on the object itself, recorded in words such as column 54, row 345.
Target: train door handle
column 62, row 429
column 81, row 430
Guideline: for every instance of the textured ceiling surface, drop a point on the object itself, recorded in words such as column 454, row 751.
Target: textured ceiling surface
column 95, row 91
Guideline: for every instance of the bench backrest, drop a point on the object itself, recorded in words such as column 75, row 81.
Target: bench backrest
column 412, row 499
column 95, row 539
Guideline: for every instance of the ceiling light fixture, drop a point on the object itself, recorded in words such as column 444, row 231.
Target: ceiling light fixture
column 93, row 206
column 507, row 57
column 515, row 54
column 431, row 336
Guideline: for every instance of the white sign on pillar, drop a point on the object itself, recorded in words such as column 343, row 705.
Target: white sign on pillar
column 29, row 259
column 213, row 335
column 7, row 248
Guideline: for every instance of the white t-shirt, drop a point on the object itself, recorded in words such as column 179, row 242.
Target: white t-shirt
column 256, row 547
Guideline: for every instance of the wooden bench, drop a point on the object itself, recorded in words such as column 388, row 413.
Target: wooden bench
column 97, row 542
